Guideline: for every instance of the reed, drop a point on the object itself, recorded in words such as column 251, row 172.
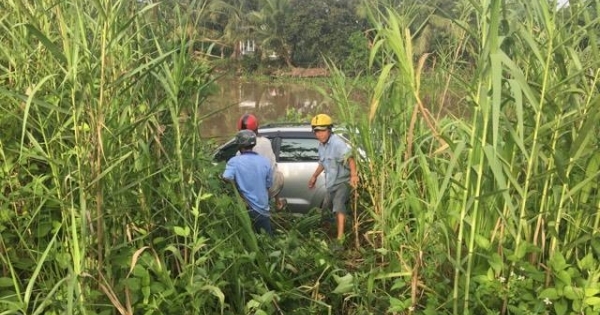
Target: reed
column 110, row 203
column 98, row 92
column 503, row 183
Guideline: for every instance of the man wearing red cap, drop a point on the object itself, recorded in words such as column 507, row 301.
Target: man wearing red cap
column 263, row 147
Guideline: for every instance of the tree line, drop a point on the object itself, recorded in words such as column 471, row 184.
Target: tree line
column 311, row 33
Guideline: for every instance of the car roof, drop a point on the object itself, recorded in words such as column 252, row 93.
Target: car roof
column 288, row 127
column 294, row 130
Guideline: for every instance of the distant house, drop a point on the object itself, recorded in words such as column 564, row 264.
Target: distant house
column 247, row 47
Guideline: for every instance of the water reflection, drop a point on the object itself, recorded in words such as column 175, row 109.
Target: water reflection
column 269, row 101
column 299, row 150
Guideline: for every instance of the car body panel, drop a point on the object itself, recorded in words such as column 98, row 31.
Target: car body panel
column 295, row 190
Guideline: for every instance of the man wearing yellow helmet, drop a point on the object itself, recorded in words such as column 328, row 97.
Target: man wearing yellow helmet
column 340, row 169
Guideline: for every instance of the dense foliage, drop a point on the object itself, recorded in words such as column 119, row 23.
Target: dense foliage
column 324, row 28
column 110, row 203
column 300, row 33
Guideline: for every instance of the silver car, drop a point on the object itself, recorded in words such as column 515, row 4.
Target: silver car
column 296, row 151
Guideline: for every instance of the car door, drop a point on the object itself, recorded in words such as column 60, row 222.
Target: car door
column 297, row 158
column 225, row 151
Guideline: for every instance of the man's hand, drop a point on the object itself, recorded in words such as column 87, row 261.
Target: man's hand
column 312, row 181
column 354, row 181
column 353, row 172
column 315, row 175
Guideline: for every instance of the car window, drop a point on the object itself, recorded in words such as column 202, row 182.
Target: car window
column 230, row 149
column 298, row 150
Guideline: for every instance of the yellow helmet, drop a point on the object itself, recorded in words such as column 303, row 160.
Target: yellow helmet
column 321, row 122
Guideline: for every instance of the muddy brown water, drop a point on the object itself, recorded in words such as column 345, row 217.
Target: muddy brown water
column 270, row 102
column 279, row 102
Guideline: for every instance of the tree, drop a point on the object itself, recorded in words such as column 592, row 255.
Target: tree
column 222, row 23
column 269, row 23
column 323, row 28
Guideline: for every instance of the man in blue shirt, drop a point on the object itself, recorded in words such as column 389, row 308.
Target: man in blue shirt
column 253, row 176
column 264, row 148
column 340, row 169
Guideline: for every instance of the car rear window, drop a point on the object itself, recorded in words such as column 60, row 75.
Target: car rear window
column 298, row 150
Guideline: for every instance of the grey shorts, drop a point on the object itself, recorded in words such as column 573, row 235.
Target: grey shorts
column 337, row 197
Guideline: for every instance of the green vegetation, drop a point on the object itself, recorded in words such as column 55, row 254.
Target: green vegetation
column 111, row 205
column 299, row 33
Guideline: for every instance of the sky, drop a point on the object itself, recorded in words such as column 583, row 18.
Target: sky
column 562, row 3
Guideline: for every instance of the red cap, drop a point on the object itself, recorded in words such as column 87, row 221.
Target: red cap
column 248, row 121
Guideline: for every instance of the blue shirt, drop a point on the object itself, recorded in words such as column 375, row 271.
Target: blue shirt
column 253, row 176
column 333, row 156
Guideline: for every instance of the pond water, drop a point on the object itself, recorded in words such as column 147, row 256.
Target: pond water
column 269, row 101
column 278, row 102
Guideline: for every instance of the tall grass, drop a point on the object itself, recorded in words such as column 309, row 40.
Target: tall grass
column 110, row 205
column 507, row 192
column 110, row 202
column 97, row 152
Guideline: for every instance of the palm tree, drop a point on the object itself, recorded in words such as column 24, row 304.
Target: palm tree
column 269, row 25
column 219, row 22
